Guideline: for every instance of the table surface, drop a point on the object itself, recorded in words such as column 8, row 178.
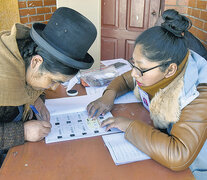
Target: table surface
column 82, row 159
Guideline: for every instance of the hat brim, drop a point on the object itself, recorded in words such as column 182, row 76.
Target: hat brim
column 36, row 34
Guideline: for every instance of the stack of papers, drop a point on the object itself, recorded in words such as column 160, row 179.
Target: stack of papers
column 121, row 150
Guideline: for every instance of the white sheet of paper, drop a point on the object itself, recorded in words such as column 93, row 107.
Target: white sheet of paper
column 76, row 125
column 121, row 150
column 126, row 98
column 68, row 104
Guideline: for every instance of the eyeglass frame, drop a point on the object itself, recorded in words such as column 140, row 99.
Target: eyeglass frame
column 144, row 71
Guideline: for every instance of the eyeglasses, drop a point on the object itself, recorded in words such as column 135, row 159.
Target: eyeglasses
column 142, row 71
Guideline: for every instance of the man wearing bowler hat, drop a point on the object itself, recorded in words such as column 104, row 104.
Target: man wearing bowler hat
column 32, row 60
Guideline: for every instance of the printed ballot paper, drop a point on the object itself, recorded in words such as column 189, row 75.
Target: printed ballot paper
column 70, row 120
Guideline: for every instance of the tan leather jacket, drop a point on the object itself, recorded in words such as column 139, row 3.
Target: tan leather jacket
column 178, row 149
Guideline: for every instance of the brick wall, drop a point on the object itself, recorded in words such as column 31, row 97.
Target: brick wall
column 196, row 11
column 36, row 11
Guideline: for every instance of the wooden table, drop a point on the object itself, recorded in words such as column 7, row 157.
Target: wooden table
column 82, row 159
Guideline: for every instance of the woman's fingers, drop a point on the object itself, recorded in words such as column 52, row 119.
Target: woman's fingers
column 112, row 125
column 107, row 122
column 99, row 112
column 89, row 106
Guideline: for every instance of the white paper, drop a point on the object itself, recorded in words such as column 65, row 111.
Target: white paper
column 121, row 150
column 128, row 97
column 69, row 104
column 72, row 83
column 76, row 125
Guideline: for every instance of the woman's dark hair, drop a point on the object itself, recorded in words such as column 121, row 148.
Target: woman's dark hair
column 166, row 43
column 28, row 48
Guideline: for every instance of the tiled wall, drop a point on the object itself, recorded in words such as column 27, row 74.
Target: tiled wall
column 36, row 10
column 196, row 10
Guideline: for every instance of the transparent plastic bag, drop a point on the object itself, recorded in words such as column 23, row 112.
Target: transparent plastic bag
column 99, row 78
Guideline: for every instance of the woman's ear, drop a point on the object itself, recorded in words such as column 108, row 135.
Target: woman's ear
column 36, row 61
column 171, row 70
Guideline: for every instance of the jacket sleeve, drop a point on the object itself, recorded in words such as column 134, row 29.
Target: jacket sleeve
column 179, row 149
column 11, row 133
column 122, row 84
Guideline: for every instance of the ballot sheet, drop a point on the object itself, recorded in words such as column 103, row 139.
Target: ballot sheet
column 70, row 121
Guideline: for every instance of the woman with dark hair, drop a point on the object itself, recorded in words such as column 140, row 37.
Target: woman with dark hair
column 171, row 82
column 191, row 41
column 32, row 60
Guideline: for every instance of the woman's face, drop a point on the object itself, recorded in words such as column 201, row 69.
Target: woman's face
column 41, row 80
column 150, row 77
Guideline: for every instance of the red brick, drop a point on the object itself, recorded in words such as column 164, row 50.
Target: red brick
column 170, row 2
column 201, row 4
column 204, row 15
column 198, row 23
column 44, row 22
column 36, row 18
column 205, row 26
column 49, row 2
column 27, row 12
column 34, row 3
column 202, row 35
column 22, row 4
column 24, row 20
column 193, row 30
column 192, row 3
column 192, row 19
column 54, row 9
column 43, row 10
column 190, row 11
column 48, row 16
column 196, row 13
column 182, row 2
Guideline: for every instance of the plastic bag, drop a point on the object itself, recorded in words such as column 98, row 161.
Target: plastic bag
column 98, row 78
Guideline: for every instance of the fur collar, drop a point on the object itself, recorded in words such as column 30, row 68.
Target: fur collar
column 164, row 106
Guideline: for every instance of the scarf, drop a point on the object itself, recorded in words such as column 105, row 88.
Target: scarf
column 13, row 88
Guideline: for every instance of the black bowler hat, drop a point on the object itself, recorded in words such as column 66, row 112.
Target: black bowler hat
column 67, row 36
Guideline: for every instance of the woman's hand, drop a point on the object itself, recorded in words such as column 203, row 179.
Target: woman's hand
column 35, row 130
column 42, row 109
column 102, row 105
column 121, row 123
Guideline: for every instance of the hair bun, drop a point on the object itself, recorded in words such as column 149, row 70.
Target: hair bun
column 175, row 23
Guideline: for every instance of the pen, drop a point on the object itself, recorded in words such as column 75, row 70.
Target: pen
column 36, row 112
